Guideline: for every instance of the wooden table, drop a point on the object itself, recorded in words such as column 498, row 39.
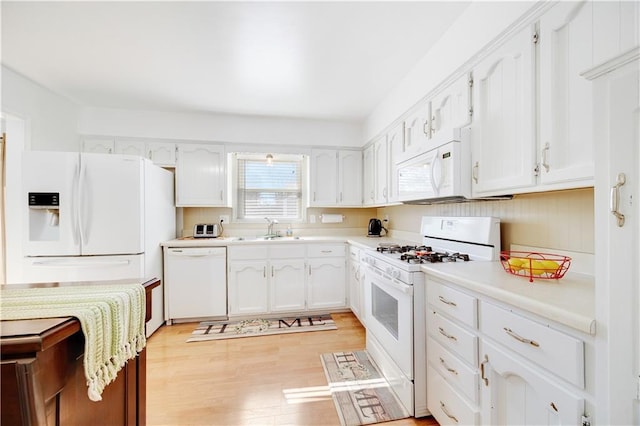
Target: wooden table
column 43, row 381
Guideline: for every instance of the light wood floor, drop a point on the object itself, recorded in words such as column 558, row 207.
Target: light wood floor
column 266, row 380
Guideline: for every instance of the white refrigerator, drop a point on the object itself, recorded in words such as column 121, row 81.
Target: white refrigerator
column 95, row 217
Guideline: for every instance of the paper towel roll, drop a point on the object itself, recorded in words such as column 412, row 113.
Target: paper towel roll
column 331, row 218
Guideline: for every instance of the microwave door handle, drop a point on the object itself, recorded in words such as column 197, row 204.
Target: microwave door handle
column 436, row 178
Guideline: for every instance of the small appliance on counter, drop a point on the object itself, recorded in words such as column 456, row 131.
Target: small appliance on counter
column 207, row 230
column 376, row 228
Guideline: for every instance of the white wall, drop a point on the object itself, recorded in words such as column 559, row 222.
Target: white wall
column 480, row 23
column 218, row 128
column 52, row 119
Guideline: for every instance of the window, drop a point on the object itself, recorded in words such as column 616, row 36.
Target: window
column 268, row 185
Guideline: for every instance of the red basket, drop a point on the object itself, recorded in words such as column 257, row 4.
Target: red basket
column 535, row 265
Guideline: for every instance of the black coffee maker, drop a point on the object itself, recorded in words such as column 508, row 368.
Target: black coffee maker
column 375, row 228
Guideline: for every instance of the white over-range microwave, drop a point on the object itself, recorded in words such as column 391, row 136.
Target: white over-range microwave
column 442, row 174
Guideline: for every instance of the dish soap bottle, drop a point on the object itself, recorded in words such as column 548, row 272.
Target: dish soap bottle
column 289, row 231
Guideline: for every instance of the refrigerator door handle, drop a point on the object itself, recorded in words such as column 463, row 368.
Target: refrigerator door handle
column 75, row 206
column 81, row 179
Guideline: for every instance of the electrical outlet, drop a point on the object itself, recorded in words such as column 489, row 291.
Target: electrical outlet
column 224, row 218
column 386, row 218
column 312, row 218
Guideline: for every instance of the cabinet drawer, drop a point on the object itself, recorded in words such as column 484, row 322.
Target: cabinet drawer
column 556, row 351
column 454, row 303
column 326, row 250
column 453, row 337
column 287, row 251
column 354, row 254
column 247, row 252
column 454, row 371
column 446, row 405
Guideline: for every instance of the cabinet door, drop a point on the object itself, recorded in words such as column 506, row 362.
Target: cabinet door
column 395, row 142
column 162, row 153
column 200, row 175
column 355, row 288
column 451, row 109
column 287, row 282
column 566, row 98
column 381, row 174
column 416, row 131
column 617, row 104
column 368, row 176
column 503, row 145
column 248, row 287
column 350, row 178
column 324, row 177
column 129, row 147
column 516, row 394
column 616, row 28
column 98, row 145
column 326, row 283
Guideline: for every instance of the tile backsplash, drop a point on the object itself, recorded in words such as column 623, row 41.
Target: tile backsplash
column 563, row 220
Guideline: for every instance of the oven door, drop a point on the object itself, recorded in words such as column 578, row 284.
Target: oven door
column 389, row 314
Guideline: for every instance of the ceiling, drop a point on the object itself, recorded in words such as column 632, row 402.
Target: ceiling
column 323, row 60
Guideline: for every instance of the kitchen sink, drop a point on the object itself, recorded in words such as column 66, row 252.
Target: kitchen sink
column 267, row 238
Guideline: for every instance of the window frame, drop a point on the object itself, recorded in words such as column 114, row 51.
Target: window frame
column 233, row 187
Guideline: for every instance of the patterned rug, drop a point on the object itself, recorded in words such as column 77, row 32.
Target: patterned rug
column 214, row 330
column 361, row 395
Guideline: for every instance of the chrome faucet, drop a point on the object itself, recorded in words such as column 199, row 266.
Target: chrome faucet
column 272, row 222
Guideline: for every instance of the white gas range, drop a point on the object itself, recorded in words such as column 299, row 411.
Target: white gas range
column 395, row 299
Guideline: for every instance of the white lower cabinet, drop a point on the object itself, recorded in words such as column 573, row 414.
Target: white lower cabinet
column 446, row 404
column 452, row 355
column 490, row 364
column 355, row 284
column 248, row 287
column 287, row 285
column 515, row 393
column 279, row 278
column 327, row 276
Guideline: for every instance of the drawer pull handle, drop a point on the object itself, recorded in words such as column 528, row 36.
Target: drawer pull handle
column 482, row 364
column 448, row 336
column 446, row 412
column 520, row 338
column 447, row 302
column 554, row 407
column 449, row 369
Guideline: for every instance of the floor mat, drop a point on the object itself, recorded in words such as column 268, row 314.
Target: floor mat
column 361, row 394
column 214, row 330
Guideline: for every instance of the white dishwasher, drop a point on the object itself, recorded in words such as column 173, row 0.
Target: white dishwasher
column 195, row 282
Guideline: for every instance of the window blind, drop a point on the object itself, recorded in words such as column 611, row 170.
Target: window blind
column 269, row 189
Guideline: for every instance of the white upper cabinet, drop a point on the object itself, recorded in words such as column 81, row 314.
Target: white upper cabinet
column 350, row 178
column 336, row 178
column 450, row 109
column 381, row 171
column 565, row 149
column 503, row 128
column 395, row 142
column 616, row 28
column 129, row 147
column 324, row 177
column 162, row 153
column 98, row 145
column 201, row 175
column 368, row 176
column 416, row 131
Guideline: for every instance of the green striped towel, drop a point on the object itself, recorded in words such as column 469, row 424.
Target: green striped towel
column 112, row 318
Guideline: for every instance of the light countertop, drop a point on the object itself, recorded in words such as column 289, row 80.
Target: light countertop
column 569, row 301
column 361, row 242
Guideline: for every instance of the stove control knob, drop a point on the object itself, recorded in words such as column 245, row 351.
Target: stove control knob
column 396, row 274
